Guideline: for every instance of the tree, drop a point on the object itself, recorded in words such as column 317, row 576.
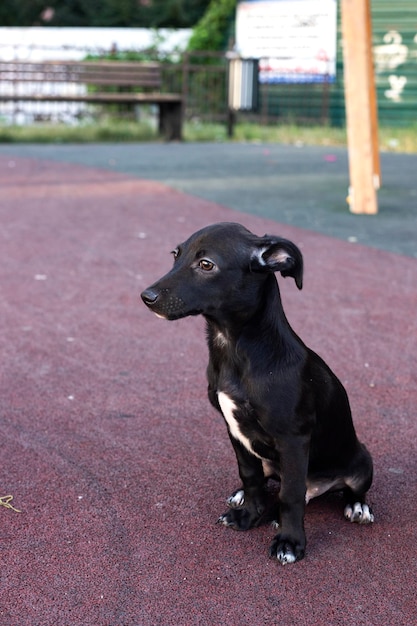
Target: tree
column 116, row 13
column 211, row 32
column 176, row 13
column 20, row 12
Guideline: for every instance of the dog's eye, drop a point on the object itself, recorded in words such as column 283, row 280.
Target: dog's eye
column 206, row 265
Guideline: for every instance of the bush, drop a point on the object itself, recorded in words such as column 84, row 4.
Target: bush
column 211, row 32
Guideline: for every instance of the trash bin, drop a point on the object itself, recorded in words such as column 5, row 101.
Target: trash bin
column 243, row 88
column 243, row 84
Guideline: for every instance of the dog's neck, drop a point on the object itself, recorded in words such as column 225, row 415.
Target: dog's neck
column 265, row 319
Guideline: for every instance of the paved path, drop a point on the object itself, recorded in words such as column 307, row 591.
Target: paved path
column 108, row 443
column 304, row 187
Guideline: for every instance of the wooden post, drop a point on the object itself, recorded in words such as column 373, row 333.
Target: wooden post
column 361, row 107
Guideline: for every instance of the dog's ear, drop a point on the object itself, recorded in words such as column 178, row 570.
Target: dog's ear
column 278, row 255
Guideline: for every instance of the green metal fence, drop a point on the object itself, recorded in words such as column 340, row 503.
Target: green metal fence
column 201, row 77
column 395, row 56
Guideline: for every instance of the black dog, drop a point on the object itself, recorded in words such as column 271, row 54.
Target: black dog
column 287, row 414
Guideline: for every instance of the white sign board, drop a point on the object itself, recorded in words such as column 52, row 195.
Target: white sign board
column 294, row 40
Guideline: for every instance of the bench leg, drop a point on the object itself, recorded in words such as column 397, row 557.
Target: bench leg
column 170, row 120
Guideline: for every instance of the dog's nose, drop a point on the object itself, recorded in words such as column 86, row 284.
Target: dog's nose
column 149, row 296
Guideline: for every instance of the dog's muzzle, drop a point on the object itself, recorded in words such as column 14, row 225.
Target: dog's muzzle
column 163, row 303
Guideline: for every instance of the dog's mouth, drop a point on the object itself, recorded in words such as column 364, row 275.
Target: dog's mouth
column 161, row 317
column 175, row 315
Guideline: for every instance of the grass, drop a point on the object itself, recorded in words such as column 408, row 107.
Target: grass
column 285, row 133
column 390, row 139
column 82, row 133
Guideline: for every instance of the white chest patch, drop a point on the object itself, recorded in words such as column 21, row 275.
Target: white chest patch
column 228, row 408
column 220, row 340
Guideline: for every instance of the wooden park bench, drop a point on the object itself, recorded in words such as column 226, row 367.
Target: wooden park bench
column 93, row 82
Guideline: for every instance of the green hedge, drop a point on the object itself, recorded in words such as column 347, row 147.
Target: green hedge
column 211, row 32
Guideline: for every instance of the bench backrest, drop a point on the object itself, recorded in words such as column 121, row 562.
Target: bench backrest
column 101, row 73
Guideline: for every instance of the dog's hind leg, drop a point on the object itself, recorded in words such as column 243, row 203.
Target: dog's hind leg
column 357, row 483
column 354, row 482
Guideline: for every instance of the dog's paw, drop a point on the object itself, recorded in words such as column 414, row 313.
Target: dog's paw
column 359, row 513
column 237, row 499
column 286, row 550
column 241, row 519
column 237, row 519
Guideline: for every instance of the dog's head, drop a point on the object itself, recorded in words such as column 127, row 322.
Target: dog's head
column 221, row 267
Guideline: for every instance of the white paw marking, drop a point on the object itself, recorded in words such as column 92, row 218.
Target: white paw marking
column 285, row 557
column 237, row 499
column 359, row 513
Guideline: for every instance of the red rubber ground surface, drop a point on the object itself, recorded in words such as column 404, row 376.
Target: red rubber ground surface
column 113, row 454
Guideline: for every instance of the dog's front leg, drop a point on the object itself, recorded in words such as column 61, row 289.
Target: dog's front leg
column 288, row 545
column 250, row 513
